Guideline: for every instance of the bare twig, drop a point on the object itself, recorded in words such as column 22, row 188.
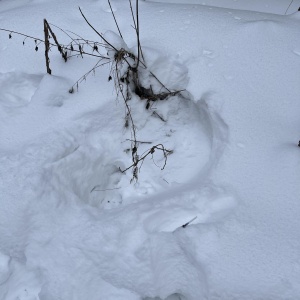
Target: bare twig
column 115, row 19
column 83, row 77
column 159, row 116
column 63, row 54
column 94, row 189
column 51, row 44
column 141, row 142
column 79, row 41
column 138, row 32
column 46, row 32
column 288, row 7
column 96, row 31
column 188, row 223
column 22, row 34
column 136, row 28
column 150, row 151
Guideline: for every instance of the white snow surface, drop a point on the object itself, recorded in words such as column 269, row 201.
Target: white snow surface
column 73, row 227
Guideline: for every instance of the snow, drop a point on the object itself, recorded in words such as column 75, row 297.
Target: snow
column 281, row 7
column 72, row 226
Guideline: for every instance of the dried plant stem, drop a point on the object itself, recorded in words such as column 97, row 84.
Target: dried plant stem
column 151, row 151
column 54, row 37
column 115, row 19
column 288, row 7
column 137, row 29
column 51, row 44
column 47, row 46
column 96, row 31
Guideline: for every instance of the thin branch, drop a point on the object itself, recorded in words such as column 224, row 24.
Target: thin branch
column 83, row 77
column 150, row 151
column 188, row 223
column 115, row 19
column 128, row 110
column 130, row 4
column 76, row 41
column 51, row 44
column 46, row 32
column 135, row 28
column 138, row 32
column 55, row 39
column 141, row 142
column 158, row 116
column 104, row 190
column 96, row 31
column 22, row 34
column 288, row 7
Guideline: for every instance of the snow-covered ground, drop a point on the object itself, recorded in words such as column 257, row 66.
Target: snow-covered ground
column 73, row 227
column 281, row 7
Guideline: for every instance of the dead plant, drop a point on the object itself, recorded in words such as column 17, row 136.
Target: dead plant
column 125, row 71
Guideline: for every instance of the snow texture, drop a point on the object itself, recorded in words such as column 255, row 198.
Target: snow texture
column 219, row 222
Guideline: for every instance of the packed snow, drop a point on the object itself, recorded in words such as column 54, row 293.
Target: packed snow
column 217, row 219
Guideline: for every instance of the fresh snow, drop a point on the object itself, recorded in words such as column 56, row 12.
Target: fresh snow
column 73, row 227
column 281, row 7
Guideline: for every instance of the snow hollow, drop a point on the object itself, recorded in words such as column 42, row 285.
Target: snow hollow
column 213, row 211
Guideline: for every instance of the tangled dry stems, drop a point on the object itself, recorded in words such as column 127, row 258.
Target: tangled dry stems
column 126, row 82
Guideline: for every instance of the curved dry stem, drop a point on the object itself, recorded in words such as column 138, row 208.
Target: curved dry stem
column 96, row 31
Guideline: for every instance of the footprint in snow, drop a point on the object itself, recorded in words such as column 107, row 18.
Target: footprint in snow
column 17, row 89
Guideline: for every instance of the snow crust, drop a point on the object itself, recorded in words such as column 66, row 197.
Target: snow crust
column 73, row 227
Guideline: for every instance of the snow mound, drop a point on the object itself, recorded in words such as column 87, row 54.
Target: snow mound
column 17, row 89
